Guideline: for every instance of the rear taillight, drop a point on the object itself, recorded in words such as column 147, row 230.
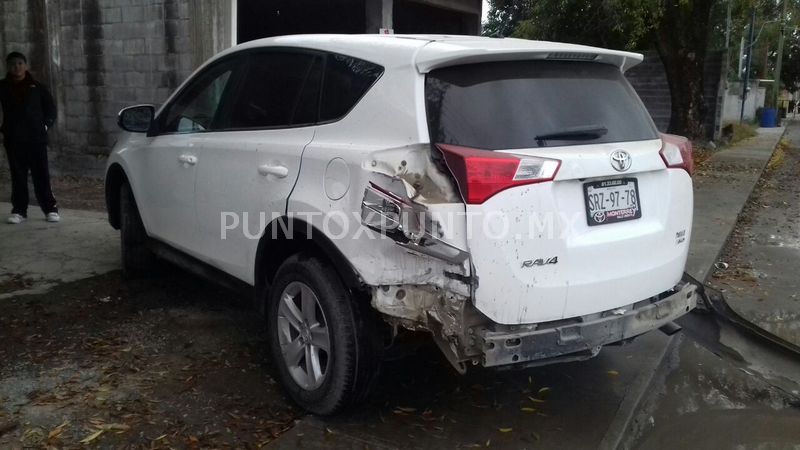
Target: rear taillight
column 676, row 151
column 480, row 174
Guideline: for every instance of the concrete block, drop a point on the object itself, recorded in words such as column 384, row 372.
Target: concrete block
column 75, row 78
column 115, row 79
column 154, row 12
column 155, row 46
column 111, row 15
column 70, row 17
column 162, row 94
column 128, row 31
column 114, row 47
column 169, row 79
column 146, row 95
column 134, row 46
column 183, row 45
column 171, row 10
column 76, row 109
column 95, row 78
column 123, row 94
column 133, row 14
column 77, row 93
column 143, row 63
column 135, row 79
column 183, row 10
column 122, row 63
column 69, row 33
column 70, row 4
column 186, row 62
column 71, row 137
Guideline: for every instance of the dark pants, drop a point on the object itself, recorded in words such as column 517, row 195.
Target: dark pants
column 24, row 157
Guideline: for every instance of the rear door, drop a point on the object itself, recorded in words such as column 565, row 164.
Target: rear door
column 250, row 167
column 571, row 208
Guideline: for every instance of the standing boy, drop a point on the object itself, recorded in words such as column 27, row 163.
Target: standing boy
column 28, row 112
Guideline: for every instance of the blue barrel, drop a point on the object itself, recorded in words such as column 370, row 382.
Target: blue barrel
column 769, row 117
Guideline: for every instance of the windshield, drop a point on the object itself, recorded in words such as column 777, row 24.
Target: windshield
column 524, row 104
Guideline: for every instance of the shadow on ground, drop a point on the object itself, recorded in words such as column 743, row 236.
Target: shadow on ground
column 164, row 362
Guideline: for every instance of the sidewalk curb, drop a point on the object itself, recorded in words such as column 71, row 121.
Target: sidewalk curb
column 641, row 386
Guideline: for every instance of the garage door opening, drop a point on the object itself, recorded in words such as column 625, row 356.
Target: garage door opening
column 259, row 19
column 411, row 17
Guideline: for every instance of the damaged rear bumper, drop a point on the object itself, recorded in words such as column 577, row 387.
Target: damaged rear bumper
column 583, row 338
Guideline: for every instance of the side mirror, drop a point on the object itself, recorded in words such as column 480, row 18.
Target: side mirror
column 136, row 119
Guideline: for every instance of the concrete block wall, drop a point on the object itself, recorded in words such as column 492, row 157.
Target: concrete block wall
column 98, row 56
column 650, row 82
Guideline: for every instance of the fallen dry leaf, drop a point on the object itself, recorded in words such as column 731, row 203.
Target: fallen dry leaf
column 404, row 409
column 92, row 437
column 544, row 391
column 56, row 432
column 505, row 430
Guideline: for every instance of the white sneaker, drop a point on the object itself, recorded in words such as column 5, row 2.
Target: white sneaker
column 15, row 219
column 53, row 217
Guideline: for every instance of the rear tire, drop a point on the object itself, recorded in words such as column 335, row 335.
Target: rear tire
column 308, row 301
column 137, row 260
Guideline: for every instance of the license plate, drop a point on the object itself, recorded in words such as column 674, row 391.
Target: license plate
column 612, row 201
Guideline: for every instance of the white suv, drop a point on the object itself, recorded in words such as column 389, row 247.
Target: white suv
column 513, row 198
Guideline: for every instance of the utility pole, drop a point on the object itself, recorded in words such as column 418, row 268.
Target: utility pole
column 779, row 63
column 747, row 69
column 727, row 43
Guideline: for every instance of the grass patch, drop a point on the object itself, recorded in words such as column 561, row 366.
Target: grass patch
column 735, row 132
column 779, row 156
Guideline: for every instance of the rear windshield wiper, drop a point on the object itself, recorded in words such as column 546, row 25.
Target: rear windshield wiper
column 581, row 133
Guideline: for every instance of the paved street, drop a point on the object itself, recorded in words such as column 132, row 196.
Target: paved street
column 174, row 361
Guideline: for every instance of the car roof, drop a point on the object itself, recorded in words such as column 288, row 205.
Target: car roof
column 431, row 51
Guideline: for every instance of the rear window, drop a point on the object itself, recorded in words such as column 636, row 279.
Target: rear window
column 524, row 104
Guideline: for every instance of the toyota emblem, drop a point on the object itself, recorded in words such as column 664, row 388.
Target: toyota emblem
column 621, row 160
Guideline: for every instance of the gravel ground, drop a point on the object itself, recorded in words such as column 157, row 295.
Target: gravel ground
column 160, row 363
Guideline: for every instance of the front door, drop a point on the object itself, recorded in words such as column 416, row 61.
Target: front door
column 172, row 159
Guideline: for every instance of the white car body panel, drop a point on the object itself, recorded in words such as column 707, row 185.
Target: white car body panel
column 249, row 198
column 599, row 268
column 165, row 195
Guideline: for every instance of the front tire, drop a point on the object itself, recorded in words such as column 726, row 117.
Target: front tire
column 323, row 341
column 137, row 260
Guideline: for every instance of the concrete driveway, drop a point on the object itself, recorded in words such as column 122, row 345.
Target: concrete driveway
column 36, row 255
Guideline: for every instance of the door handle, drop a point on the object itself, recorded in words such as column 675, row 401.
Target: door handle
column 188, row 159
column 278, row 171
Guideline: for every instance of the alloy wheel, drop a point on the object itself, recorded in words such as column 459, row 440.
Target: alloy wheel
column 303, row 335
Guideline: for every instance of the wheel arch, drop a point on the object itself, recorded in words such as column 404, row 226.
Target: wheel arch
column 286, row 236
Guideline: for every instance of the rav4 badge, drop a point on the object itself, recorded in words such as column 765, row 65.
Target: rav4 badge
column 539, row 262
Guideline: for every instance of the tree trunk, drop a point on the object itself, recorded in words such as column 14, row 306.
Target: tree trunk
column 681, row 40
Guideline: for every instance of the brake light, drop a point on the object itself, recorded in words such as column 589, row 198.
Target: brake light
column 480, row 174
column 677, row 152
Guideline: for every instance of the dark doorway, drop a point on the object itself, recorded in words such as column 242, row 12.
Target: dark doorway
column 411, row 17
column 259, row 19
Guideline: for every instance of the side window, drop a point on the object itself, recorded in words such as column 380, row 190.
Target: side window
column 280, row 89
column 198, row 107
column 347, row 79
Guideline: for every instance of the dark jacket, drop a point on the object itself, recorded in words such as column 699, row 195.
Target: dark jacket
column 27, row 109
